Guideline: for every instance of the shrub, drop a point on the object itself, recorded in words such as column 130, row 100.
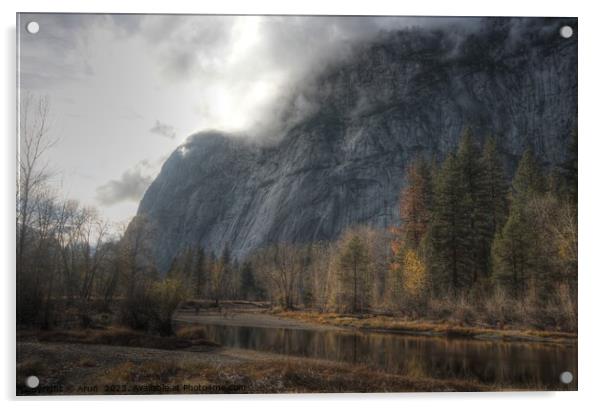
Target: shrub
column 165, row 297
column 136, row 309
column 150, row 306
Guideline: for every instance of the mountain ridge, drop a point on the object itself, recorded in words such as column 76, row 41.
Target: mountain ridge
column 409, row 93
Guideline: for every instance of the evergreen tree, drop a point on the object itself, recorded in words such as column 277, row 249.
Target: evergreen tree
column 572, row 168
column 226, row 256
column 227, row 267
column 450, row 231
column 565, row 178
column 494, row 200
column 354, row 263
column 187, row 265
column 474, row 205
column 513, row 252
column 516, row 248
column 200, row 272
column 216, row 275
column 247, row 282
column 528, row 180
column 175, row 266
column 181, row 265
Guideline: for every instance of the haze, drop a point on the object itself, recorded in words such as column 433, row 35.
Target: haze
column 126, row 90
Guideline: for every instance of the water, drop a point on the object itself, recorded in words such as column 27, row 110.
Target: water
column 509, row 364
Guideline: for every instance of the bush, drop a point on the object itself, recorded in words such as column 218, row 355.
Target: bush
column 165, row 298
column 151, row 306
column 135, row 309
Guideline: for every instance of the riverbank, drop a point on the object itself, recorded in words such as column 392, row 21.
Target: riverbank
column 392, row 324
column 257, row 356
column 92, row 369
column 260, row 318
column 252, row 314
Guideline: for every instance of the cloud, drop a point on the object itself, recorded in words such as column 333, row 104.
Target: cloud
column 130, row 187
column 162, row 129
column 238, row 74
column 249, row 70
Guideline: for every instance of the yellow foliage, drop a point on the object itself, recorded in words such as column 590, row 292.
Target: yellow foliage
column 414, row 272
column 167, row 294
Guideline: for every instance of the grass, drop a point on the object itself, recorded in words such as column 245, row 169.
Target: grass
column 278, row 376
column 118, row 336
column 183, row 375
column 397, row 324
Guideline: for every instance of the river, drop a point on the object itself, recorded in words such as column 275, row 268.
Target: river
column 509, row 364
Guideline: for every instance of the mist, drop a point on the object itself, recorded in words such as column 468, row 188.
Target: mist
column 133, row 87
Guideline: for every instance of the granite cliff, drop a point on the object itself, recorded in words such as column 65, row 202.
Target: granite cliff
column 405, row 93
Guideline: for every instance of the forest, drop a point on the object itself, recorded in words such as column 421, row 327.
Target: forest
column 476, row 243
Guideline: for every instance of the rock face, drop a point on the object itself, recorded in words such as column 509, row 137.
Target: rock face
column 407, row 93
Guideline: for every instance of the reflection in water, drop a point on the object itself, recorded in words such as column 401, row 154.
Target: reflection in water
column 492, row 362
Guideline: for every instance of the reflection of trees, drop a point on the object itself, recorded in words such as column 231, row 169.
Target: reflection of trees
column 499, row 363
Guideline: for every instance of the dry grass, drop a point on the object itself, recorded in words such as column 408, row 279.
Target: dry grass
column 397, row 324
column 119, row 336
column 191, row 332
column 279, row 376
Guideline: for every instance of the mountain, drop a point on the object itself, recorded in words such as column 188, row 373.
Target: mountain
column 405, row 93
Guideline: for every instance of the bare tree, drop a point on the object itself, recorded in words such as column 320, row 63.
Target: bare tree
column 34, row 143
column 136, row 253
column 282, row 265
column 92, row 239
column 33, row 196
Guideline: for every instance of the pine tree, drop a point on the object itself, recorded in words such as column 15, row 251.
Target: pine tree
column 565, row 178
column 528, row 180
column 450, row 230
column 513, row 252
column 494, row 200
column 247, row 282
column 572, row 168
column 470, row 179
column 187, row 265
column 200, row 272
column 225, row 272
column 354, row 265
column 175, row 266
column 216, row 276
column 515, row 249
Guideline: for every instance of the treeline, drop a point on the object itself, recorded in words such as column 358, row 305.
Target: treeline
column 468, row 234
column 215, row 277
column 71, row 269
column 473, row 244
column 348, row 274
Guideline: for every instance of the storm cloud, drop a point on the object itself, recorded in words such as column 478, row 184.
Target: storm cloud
column 235, row 70
column 109, row 76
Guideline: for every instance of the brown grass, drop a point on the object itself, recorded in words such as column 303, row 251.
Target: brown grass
column 397, row 324
column 119, row 336
column 279, row 376
column 191, row 332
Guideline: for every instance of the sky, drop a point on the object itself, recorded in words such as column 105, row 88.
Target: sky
column 126, row 90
